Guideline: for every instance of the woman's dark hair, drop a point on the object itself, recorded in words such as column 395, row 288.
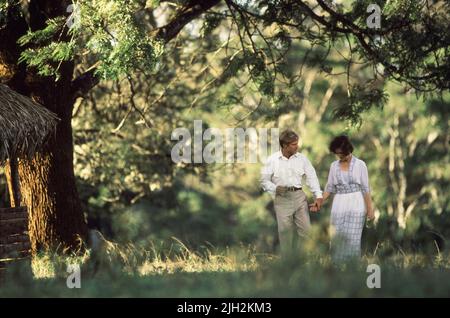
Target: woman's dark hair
column 342, row 143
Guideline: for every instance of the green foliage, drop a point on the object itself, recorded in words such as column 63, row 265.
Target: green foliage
column 361, row 100
column 260, row 75
column 210, row 23
column 131, row 51
column 43, row 52
column 115, row 37
column 152, row 3
column 133, row 192
column 42, row 36
column 282, row 39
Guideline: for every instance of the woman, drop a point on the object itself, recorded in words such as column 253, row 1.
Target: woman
column 348, row 179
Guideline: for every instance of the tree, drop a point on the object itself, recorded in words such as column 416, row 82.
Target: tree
column 57, row 59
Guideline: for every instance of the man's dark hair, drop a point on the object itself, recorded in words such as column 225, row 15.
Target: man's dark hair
column 342, row 143
column 287, row 136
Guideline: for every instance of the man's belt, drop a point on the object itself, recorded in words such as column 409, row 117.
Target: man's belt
column 293, row 188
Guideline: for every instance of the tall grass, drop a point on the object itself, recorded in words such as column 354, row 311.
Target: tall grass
column 174, row 270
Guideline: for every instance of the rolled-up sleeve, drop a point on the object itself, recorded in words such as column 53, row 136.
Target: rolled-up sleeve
column 365, row 188
column 311, row 178
column 330, row 187
column 266, row 178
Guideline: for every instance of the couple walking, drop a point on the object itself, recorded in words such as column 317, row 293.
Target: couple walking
column 348, row 179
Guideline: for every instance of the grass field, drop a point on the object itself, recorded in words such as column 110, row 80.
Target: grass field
column 130, row 271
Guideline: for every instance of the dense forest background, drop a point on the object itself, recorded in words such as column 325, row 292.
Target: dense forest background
column 132, row 190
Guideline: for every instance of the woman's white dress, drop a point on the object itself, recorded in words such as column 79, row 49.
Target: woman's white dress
column 348, row 211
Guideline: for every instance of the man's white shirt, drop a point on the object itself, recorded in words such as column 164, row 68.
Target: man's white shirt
column 281, row 171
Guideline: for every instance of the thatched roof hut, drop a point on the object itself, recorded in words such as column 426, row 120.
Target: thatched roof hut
column 24, row 128
column 24, row 124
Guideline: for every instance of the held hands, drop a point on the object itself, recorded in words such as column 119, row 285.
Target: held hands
column 315, row 207
column 370, row 214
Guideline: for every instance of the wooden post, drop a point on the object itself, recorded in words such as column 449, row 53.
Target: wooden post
column 15, row 183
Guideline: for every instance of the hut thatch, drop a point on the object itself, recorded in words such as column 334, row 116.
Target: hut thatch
column 24, row 128
column 24, row 124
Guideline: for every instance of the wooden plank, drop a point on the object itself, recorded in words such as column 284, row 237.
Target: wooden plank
column 14, row 250
column 14, row 221
column 14, row 169
column 13, row 228
column 21, row 246
column 8, row 265
column 14, row 239
column 16, row 255
column 14, row 215
column 10, row 261
column 12, row 210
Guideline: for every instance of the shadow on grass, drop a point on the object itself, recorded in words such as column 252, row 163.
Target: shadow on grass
column 221, row 274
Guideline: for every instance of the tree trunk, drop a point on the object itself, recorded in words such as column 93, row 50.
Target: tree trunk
column 48, row 189
column 47, row 182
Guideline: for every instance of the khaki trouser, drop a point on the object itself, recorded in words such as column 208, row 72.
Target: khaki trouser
column 292, row 214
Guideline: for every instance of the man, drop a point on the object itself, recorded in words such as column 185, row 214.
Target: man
column 281, row 176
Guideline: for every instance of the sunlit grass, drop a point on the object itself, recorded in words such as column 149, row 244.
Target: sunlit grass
column 144, row 262
column 174, row 270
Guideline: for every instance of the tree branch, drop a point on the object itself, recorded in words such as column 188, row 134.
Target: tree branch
column 188, row 13
column 85, row 82
column 194, row 8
